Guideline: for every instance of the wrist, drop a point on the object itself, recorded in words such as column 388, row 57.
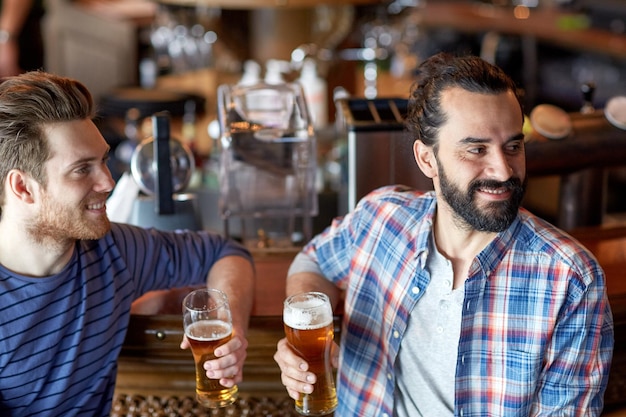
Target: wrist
column 6, row 36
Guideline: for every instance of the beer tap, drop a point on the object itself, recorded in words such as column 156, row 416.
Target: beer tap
column 587, row 89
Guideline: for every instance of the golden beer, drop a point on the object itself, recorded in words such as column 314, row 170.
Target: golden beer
column 204, row 337
column 308, row 322
column 207, row 325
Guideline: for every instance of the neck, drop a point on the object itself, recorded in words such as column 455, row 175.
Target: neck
column 458, row 244
column 20, row 253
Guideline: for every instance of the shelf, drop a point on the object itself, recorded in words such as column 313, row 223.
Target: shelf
column 258, row 4
column 548, row 25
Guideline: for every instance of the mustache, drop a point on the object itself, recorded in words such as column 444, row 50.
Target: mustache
column 512, row 183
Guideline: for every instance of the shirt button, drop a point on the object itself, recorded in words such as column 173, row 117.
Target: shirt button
column 415, row 290
column 439, row 329
column 389, row 376
column 396, row 334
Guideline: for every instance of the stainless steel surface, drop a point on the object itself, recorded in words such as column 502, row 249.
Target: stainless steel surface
column 380, row 152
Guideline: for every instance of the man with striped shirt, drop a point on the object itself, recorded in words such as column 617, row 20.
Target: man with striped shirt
column 67, row 275
column 457, row 302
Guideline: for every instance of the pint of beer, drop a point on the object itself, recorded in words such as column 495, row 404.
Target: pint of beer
column 207, row 323
column 308, row 322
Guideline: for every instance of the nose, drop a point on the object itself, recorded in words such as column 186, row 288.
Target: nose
column 500, row 166
column 104, row 182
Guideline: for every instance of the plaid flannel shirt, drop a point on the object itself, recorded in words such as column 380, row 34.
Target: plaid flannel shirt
column 536, row 332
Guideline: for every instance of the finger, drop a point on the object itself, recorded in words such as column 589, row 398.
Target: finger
column 294, row 374
column 184, row 344
column 229, row 365
column 290, row 363
column 231, row 346
column 226, row 366
column 334, row 355
column 294, row 394
column 232, row 381
column 296, row 386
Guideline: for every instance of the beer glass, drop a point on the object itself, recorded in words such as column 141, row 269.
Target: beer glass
column 207, row 324
column 308, row 319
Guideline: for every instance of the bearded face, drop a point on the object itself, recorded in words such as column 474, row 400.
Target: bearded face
column 60, row 221
column 494, row 216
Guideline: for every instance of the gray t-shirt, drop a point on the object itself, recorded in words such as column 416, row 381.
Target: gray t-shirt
column 426, row 363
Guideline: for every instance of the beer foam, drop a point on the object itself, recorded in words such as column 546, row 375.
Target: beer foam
column 307, row 314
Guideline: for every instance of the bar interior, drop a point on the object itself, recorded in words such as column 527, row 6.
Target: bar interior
column 355, row 60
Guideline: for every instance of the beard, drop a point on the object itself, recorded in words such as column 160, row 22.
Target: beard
column 496, row 217
column 57, row 224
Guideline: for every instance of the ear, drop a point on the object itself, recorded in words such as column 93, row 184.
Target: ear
column 425, row 158
column 19, row 185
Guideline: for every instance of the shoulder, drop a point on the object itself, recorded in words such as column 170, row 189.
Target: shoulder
column 400, row 197
column 559, row 247
column 395, row 205
column 538, row 233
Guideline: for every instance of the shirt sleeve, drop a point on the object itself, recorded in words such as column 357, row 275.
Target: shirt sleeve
column 164, row 259
column 304, row 263
column 579, row 356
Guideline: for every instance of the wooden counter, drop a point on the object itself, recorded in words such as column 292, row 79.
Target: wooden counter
column 152, row 364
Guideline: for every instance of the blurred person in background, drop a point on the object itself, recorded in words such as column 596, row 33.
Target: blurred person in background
column 21, row 40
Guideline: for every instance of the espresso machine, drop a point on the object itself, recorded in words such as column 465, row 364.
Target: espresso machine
column 162, row 167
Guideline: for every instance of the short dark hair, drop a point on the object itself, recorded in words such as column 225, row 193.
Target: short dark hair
column 442, row 71
column 29, row 102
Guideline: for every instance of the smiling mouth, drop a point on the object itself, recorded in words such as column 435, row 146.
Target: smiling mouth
column 494, row 191
column 96, row 206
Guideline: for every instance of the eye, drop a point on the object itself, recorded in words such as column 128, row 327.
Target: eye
column 478, row 150
column 515, row 147
column 83, row 169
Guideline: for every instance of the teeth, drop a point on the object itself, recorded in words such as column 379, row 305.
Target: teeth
column 492, row 191
column 95, row 206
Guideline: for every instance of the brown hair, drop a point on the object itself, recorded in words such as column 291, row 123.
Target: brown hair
column 29, row 102
column 442, row 71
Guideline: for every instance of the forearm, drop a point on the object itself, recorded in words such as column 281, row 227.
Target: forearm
column 310, row 281
column 235, row 276
column 13, row 15
column 305, row 275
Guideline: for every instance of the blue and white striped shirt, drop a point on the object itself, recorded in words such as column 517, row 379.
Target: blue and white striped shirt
column 60, row 336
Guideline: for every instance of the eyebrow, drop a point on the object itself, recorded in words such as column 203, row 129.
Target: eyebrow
column 91, row 159
column 471, row 140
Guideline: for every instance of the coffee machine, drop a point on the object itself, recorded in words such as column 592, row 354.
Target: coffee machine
column 162, row 167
